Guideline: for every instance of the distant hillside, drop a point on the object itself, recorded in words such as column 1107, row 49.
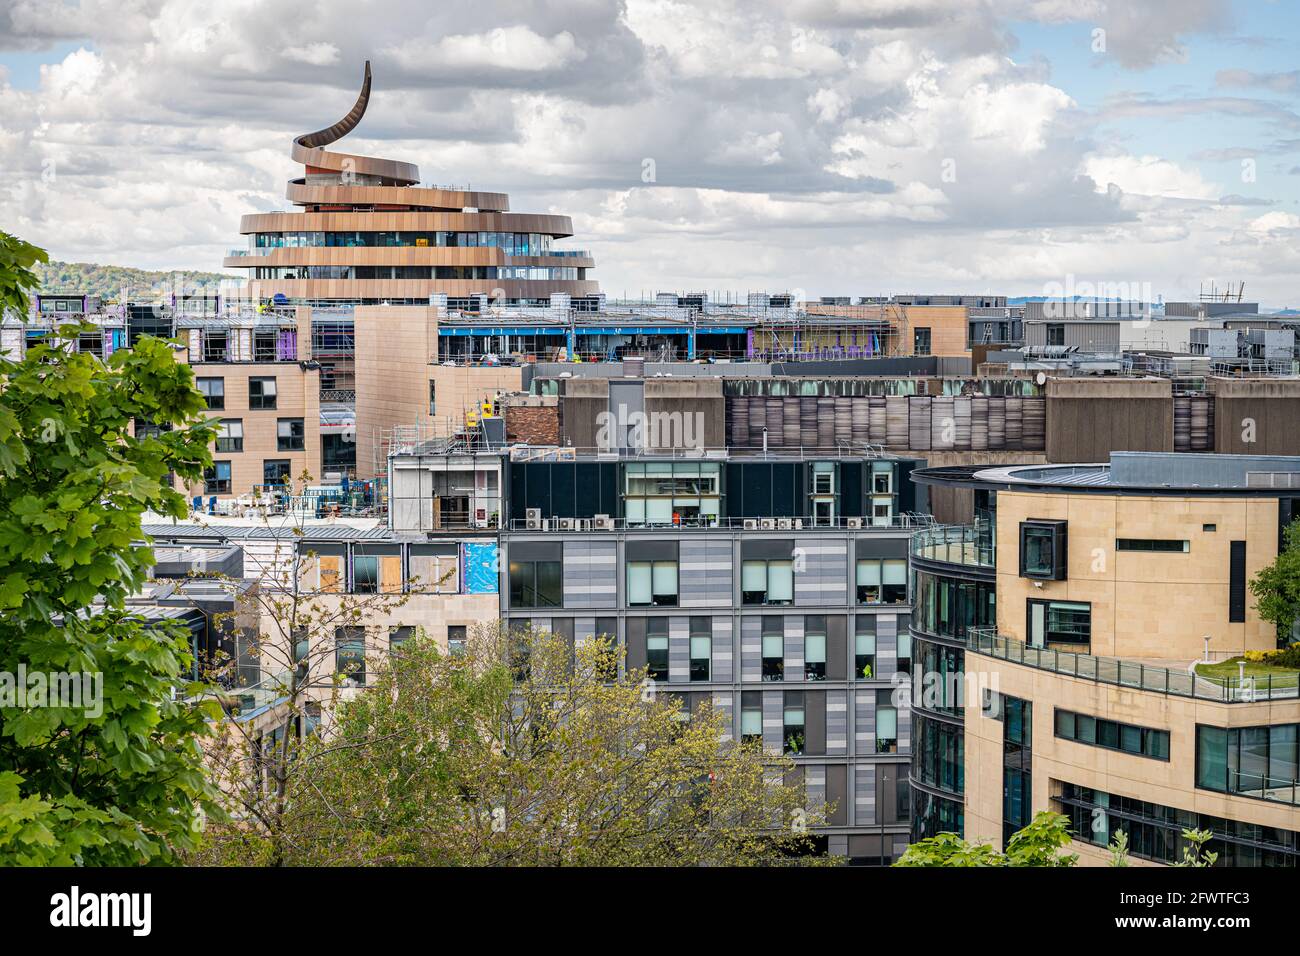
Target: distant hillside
column 108, row 281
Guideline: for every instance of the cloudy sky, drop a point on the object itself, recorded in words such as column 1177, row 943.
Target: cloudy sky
column 833, row 147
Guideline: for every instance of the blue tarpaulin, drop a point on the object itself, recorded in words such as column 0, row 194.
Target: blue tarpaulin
column 479, row 564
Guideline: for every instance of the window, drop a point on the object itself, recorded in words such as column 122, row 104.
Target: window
column 882, row 581
column 792, row 723
column 1151, row 544
column 289, row 434
column 904, row 649
column 1236, row 582
column 773, row 649
column 275, row 471
column 214, row 346
column 456, row 639
column 751, row 716
column 656, row 648
column 214, row 392
column 701, row 648
column 261, row 393
column 921, row 341
column 350, row 653
column 767, row 582
column 672, row 494
column 230, row 435
column 814, row 648
column 1059, row 622
column 886, row 723
column 1260, row 762
column 216, row 479
column 1043, row 550
column 652, row 583
column 1112, row 735
column 536, row 584
column 399, row 635
column 432, row 402
column 1055, row 333
column 864, row 650
column 264, row 346
column 365, row 574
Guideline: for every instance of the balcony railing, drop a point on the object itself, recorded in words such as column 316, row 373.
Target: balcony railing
column 970, row 545
column 1177, row 682
column 715, row 523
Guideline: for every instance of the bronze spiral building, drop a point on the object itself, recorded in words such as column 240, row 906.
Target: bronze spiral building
column 366, row 232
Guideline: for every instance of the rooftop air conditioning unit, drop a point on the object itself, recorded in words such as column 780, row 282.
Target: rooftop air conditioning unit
column 604, row 523
column 767, row 524
column 533, row 519
column 853, row 522
column 798, row 524
column 568, row 524
column 785, row 524
column 751, row 524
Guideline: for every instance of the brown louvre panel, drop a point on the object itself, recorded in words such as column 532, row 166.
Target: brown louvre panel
column 896, row 421
column 979, row 423
column 789, row 420
column 1182, row 423
column 918, row 424
column 826, row 422
column 807, row 421
column 757, row 420
column 860, row 418
column 773, row 415
column 1015, row 431
column 1200, row 422
column 738, row 427
column 961, row 419
column 997, row 423
column 843, row 419
column 1034, row 414
column 879, row 416
column 943, row 426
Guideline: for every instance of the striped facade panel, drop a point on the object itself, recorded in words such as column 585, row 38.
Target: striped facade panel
column 704, row 572
column 821, row 572
column 751, row 649
column 723, row 655
column 583, row 628
column 679, row 650
column 793, row 648
column 773, row 721
column 725, row 702
column 590, row 574
column 864, row 796
column 864, row 722
column 837, row 722
column 814, row 780
column 904, row 729
column 886, row 645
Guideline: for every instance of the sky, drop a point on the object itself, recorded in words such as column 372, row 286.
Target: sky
column 824, row 147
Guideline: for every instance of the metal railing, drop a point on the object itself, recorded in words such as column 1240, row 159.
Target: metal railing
column 1121, row 673
column 970, row 545
column 1264, row 787
column 904, row 521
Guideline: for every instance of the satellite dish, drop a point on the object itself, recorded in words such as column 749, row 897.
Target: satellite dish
column 1041, row 378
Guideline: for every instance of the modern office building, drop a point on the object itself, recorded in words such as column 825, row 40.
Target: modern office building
column 1055, row 648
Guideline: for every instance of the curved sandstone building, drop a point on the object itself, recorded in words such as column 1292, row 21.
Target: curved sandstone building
column 366, row 233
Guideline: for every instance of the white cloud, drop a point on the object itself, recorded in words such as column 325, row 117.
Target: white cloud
column 317, row 54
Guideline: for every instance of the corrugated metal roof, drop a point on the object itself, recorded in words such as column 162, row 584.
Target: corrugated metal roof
column 233, row 532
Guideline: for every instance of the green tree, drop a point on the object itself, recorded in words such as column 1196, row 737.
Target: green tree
column 114, row 778
column 1037, row 844
column 1195, row 854
column 521, row 752
column 1277, row 586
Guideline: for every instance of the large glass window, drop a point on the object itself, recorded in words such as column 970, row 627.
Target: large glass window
column 213, row 391
column 751, row 716
column 864, row 651
column 365, row 574
column 1112, row 735
column 773, row 650
column 656, row 648
column 652, row 583
column 536, row 584
column 261, row 393
column 882, row 581
column 289, row 434
column 216, row 478
column 230, row 435
column 672, row 493
column 792, row 723
column 701, row 648
column 886, row 723
column 814, row 648
column 350, row 653
column 1059, row 622
column 1259, row 762
column 767, row 582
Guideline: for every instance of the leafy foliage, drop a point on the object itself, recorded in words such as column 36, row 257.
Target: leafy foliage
column 1037, row 844
column 1277, row 587
column 521, row 753
column 120, row 783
